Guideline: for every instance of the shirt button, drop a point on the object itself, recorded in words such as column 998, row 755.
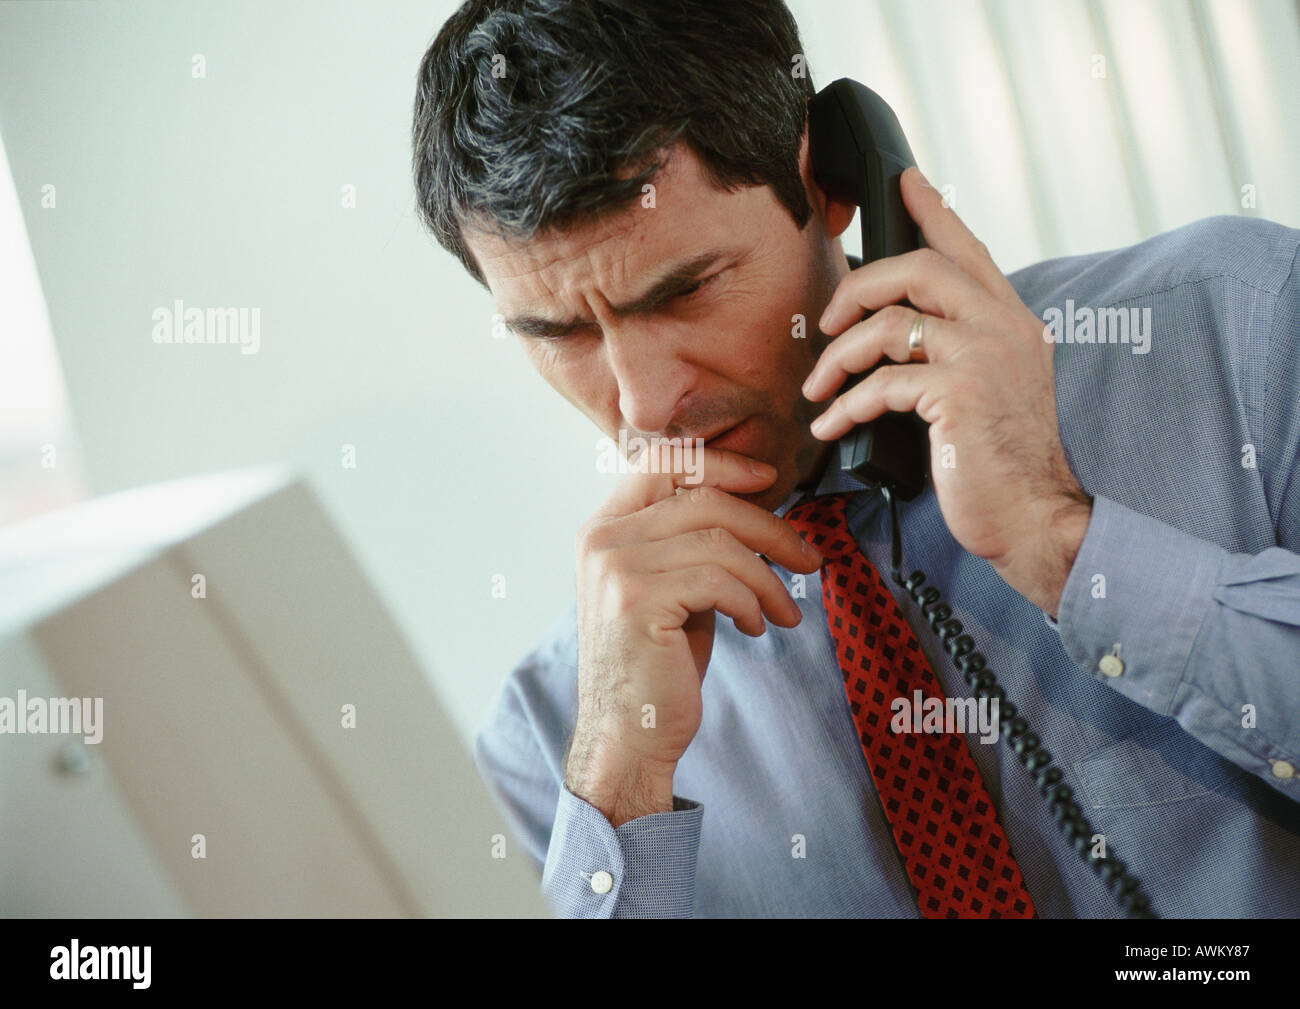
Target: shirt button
column 602, row 882
column 1283, row 769
column 1111, row 665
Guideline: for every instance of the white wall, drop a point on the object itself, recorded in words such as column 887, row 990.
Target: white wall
column 226, row 191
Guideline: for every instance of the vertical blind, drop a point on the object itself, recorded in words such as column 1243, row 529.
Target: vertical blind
column 1070, row 126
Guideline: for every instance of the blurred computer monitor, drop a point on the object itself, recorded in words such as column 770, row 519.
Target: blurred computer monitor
column 269, row 745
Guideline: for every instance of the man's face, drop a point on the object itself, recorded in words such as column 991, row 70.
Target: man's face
column 678, row 320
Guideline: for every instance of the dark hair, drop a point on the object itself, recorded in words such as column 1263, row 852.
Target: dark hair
column 595, row 89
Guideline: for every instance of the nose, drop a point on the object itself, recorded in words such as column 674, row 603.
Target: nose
column 652, row 379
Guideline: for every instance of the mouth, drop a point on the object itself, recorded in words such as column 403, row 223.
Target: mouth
column 718, row 433
column 737, row 438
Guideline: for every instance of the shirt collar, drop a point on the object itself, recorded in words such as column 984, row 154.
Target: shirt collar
column 830, row 480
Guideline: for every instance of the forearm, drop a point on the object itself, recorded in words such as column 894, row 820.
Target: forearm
column 1040, row 574
column 615, row 781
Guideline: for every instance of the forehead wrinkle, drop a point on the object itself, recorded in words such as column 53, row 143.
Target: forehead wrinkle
column 620, row 271
column 566, row 260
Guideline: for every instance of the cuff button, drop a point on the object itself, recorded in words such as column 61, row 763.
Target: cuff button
column 1283, row 769
column 602, row 882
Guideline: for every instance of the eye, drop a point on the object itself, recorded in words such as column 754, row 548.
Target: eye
column 572, row 334
column 687, row 292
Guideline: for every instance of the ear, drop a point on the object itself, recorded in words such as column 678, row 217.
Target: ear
column 835, row 213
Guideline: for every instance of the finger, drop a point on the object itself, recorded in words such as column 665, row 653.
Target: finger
column 884, row 334
column 706, row 587
column 945, row 232
column 718, row 546
column 667, row 467
column 924, row 277
column 707, row 507
column 897, row 387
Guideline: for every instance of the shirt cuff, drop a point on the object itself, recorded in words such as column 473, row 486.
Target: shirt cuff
column 1134, row 602
column 644, row 868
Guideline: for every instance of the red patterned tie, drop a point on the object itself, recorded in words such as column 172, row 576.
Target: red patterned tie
column 944, row 822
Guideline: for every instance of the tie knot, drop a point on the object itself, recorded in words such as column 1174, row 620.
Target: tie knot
column 822, row 522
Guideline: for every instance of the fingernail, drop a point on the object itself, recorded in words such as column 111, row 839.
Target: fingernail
column 819, row 424
column 760, row 468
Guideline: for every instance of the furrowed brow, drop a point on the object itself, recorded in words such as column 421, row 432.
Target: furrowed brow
column 672, row 282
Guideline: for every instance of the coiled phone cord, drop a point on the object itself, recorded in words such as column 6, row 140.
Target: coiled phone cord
column 1016, row 732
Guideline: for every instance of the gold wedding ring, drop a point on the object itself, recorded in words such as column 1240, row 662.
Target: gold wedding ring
column 916, row 340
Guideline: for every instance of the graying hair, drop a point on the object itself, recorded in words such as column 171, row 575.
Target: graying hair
column 597, row 89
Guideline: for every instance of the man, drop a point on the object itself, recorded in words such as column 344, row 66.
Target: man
column 1115, row 531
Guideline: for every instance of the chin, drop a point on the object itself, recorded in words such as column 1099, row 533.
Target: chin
column 770, row 499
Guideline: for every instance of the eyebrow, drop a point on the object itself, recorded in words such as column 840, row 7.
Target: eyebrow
column 671, row 282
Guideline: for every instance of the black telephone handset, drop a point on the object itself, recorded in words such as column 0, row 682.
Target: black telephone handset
column 858, row 153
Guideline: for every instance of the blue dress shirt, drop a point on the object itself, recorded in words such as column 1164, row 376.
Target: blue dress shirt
column 1187, row 761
